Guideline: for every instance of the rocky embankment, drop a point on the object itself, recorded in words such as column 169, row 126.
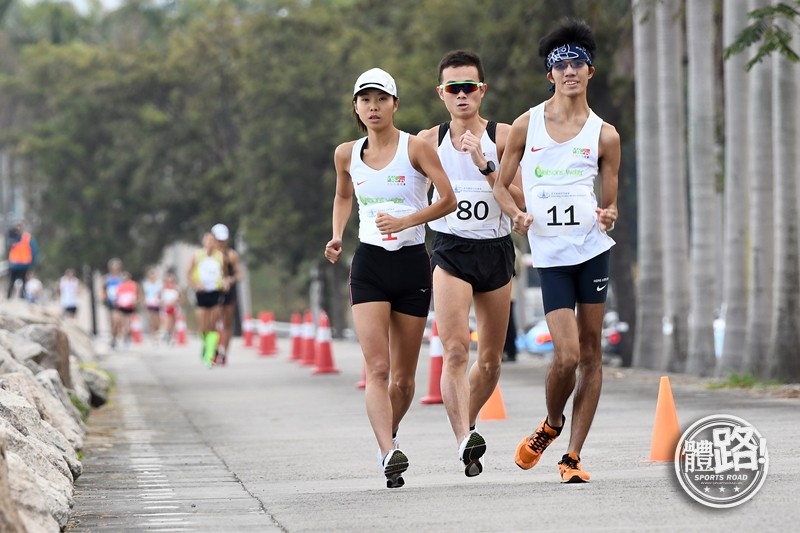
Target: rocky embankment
column 49, row 379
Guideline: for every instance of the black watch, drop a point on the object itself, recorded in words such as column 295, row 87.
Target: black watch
column 489, row 168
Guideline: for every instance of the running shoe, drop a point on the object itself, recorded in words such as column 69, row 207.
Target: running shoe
column 394, row 464
column 570, row 469
column 530, row 448
column 471, row 453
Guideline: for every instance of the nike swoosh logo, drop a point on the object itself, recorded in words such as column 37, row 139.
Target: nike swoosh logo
column 423, row 290
column 360, row 182
column 602, row 287
column 534, row 149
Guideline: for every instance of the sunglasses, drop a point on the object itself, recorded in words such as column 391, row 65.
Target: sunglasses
column 455, row 87
column 576, row 64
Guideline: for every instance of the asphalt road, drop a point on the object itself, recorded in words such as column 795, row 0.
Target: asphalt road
column 264, row 445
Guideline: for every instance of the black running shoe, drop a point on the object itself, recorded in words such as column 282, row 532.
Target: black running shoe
column 394, row 464
column 470, row 452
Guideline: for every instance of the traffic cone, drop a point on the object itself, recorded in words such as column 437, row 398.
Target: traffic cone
column 308, row 339
column 296, row 333
column 363, row 383
column 247, row 330
column 666, row 430
column 180, row 329
column 493, row 409
column 136, row 328
column 266, row 334
column 324, row 353
column 435, row 378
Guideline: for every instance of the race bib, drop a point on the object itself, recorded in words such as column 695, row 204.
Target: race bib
column 562, row 210
column 209, row 273
column 369, row 232
column 126, row 300
column 169, row 296
column 476, row 208
column 111, row 292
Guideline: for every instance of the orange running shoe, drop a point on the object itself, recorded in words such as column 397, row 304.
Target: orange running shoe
column 530, row 449
column 570, row 468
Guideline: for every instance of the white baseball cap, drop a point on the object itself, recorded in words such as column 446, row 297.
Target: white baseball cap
column 220, row 232
column 376, row 78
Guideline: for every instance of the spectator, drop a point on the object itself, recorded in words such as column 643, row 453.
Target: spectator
column 33, row 288
column 68, row 290
column 23, row 253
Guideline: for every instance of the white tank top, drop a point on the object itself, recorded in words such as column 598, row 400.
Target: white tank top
column 558, row 180
column 397, row 189
column 477, row 214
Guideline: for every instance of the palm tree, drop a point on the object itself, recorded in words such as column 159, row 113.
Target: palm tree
column 783, row 363
column 673, row 198
column 734, row 279
column 650, row 281
column 760, row 238
column 702, row 173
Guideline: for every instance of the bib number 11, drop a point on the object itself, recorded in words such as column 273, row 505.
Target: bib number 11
column 570, row 212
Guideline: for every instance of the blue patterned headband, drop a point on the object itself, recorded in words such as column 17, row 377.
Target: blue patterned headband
column 567, row 51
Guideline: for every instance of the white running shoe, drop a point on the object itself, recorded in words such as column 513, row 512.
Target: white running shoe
column 394, row 464
column 470, row 452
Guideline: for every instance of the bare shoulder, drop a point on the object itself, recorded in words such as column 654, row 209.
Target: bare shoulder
column 522, row 121
column 417, row 144
column 608, row 133
column 502, row 130
column 430, row 136
column 343, row 152
column 609, row 139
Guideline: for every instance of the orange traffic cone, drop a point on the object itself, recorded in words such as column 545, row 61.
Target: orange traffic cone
column 247, row 330
column 493, row 409
column 666, row 431
column 180, row 329
column 363, row 383
column 324, row 353
column 296, row 332
column 136, row 328
column 308, row 339
column 435, row 378
column 266, row 334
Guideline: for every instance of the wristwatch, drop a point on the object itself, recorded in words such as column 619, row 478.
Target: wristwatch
column 489, row 168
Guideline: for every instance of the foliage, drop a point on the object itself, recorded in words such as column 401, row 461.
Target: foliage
column 148, row 124
column 81, row 406
column 770, row 29
column 740, row 381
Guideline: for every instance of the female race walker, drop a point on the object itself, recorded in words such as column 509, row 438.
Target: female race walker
column 390, row 275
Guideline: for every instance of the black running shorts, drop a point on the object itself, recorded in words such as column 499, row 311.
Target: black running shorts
column 585, row 283
column 207, row 299
column 486, row 264
column 401, row 277
column 229, row 296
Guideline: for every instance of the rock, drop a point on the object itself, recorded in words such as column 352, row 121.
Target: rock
column 81, row 344
column 56, row 345
column 99, row 384
column 79, row 386
column 10, row 521
column 51, row 382
column 35, row 440
column 21, row 348
column 8, row 363
column 32, row 504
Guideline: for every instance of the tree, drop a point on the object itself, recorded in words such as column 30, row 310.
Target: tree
column 736, row 156
column 672, row 144
column 767, row 30
column 761, row 226
column 702, row 179
column 783, row 362
column 650, row 281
